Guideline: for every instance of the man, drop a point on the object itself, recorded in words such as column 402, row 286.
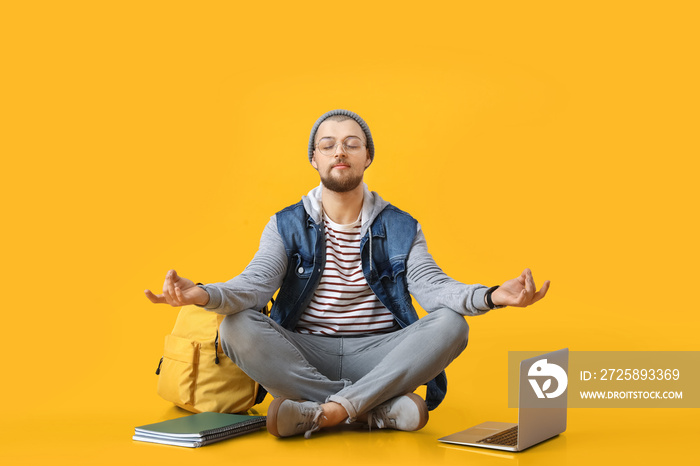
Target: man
column 343, row 342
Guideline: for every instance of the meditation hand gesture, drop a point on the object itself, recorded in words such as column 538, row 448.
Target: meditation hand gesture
column 178, row 291
column 519, row 292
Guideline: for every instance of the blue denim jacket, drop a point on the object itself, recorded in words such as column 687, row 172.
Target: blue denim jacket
column 384, row 251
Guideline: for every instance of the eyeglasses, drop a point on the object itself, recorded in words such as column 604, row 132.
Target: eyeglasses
column 352, row 145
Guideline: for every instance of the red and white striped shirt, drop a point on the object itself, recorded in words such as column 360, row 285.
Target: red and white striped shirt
column 343, row 303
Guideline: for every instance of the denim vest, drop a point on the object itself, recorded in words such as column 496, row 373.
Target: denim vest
column 384, row 251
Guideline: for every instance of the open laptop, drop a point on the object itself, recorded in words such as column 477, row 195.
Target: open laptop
column 541, row 408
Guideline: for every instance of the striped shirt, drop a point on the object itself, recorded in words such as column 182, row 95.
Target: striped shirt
column 343, row 303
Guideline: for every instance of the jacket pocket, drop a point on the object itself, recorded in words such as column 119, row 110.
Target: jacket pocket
column 303, row 266
column 178, row 372
column 392, row 270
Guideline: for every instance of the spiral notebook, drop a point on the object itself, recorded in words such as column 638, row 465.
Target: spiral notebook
column 199, row 429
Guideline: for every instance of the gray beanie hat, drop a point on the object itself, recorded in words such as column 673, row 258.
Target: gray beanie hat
column 354, row 116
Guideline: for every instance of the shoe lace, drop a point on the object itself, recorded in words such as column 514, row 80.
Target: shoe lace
column 313, row 417
column 376, row 417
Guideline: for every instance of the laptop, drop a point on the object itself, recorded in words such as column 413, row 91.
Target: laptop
column 541, row 408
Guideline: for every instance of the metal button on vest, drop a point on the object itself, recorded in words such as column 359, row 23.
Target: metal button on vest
column 301, row 270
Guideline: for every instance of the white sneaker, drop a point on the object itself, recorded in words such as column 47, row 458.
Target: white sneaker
column 406, row 412
column 286, row 417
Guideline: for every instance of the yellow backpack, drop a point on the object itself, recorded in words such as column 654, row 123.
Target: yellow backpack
column 196, row 375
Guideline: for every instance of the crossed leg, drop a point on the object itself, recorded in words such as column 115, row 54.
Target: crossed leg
column 350, row 376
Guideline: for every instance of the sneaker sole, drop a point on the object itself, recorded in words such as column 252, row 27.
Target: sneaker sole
column 422, row 409
column 271, row 421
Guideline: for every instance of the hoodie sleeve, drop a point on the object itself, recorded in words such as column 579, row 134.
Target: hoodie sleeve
column 254, row 287
column 433, row 289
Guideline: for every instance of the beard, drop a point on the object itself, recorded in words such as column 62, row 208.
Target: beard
column 342, row 183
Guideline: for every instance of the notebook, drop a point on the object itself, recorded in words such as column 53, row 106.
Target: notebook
column 199, row 429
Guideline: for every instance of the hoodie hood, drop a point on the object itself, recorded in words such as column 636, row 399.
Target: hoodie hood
column 372, row 205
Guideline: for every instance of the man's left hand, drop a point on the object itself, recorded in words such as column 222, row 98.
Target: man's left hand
column 519, row 292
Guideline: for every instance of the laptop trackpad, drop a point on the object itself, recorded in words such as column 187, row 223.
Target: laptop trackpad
column 481, row 432
column 478, row 432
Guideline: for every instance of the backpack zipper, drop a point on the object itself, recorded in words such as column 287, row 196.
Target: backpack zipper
column 216, row 348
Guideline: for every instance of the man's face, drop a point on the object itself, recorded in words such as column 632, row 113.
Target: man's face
column 340, row 172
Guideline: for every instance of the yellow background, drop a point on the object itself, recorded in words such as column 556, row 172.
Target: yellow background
column 142, row 136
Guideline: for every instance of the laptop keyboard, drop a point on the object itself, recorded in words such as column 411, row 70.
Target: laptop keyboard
column 507, row 438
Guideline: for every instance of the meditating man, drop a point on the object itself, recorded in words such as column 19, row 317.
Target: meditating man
column 343, row 342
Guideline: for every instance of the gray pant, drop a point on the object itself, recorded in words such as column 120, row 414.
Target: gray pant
column 357, row 372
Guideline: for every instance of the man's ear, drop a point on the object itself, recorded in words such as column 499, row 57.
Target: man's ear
column 368, row 161
column 313, row 161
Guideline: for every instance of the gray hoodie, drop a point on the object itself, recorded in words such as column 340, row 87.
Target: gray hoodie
column 263, row 276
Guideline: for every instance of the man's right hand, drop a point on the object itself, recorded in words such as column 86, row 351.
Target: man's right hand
column 179, row 291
